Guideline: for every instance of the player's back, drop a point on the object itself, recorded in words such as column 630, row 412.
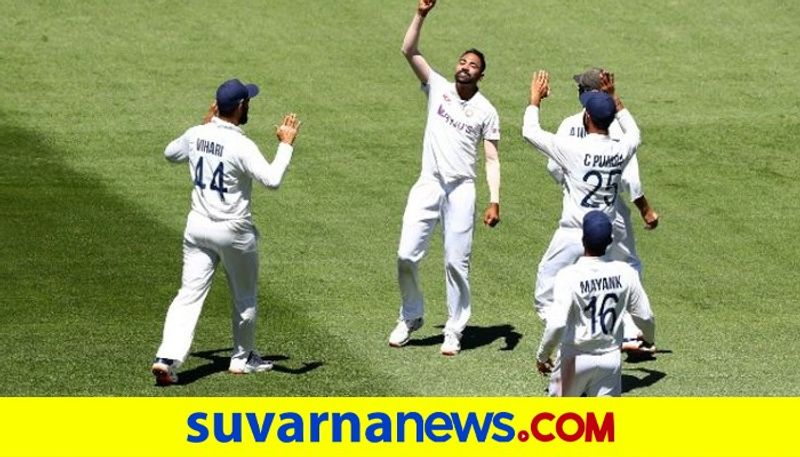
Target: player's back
column 593, row 176
column 216, row 153
column 573, row 126
column 591, row 296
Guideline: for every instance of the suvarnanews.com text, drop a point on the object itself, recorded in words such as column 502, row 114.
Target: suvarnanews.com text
column 398, row 427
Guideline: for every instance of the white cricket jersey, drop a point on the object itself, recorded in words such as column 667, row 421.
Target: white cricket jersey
column 222, row 164
column 592, row 165
column 589, row 298
column 631, row 183
column 453, row 130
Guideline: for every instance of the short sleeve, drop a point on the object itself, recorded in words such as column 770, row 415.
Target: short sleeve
column 491, row 127
column 435, row 82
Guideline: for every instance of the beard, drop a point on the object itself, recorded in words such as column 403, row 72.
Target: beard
column 243, row 119
column 464, row 77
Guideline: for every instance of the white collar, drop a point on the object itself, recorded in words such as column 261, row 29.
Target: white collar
column 225, row 124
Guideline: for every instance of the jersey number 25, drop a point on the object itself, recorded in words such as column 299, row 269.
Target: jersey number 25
column 611, row 186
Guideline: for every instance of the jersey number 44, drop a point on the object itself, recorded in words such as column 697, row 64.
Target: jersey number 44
column 217, row 183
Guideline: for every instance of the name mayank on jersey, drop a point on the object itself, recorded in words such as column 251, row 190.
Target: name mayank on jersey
column 595, row 284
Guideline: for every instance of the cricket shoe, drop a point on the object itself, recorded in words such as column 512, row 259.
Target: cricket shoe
column 401, row 334
column 452, row 343
column 164, row 371
column 253, row 364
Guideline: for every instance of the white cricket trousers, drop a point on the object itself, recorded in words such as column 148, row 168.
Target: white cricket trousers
column 565, row 248
column 205, row 244
column 429, row 202
column 625, row 251
column 597, row 375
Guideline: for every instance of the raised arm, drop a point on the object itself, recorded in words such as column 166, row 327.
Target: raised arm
column 542, row 140
column 177, row 150
column 271, row 175
column 630, row 131
column 411, row 41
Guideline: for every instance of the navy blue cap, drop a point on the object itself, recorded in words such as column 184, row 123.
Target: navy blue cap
column 600, row 106
column 231, row 92
column 596, row 230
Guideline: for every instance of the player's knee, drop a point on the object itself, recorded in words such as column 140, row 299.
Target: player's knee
column 456, row 265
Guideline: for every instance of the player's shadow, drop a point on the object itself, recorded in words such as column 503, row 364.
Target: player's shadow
column 630, row 382
column 219, row 360
column 634, row 357
column 474, row 337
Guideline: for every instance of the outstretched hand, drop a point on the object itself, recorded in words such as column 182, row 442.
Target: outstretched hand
column 287, row 131
column 425, row 6
column 540, row 87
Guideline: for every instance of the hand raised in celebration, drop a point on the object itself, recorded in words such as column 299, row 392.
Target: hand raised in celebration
column 607, row 82
column 287, row 131
column 425, row 6
column 540, row 87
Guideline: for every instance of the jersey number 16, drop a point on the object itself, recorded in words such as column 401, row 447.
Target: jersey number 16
column 606, row 316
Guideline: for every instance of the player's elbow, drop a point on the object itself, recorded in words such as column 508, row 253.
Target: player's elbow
column 272, row 184
column 532, row 136
column 529, row 132
column 636, row 138
column 272, row 181
column 171, row 157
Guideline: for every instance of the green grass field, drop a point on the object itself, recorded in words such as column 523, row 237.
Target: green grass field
column 91, row 215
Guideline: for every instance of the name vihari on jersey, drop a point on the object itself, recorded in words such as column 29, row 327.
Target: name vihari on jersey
column 596, row 284
column 209, row 147
column 460, row 125
column 600, row 161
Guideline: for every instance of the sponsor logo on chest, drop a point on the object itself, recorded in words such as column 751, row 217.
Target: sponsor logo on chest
column 458, row 115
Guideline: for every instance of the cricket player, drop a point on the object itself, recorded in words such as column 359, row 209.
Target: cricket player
column 459, row 117
column 625, row 249
column 593, row 167
column 222, row 164
column 585, row 319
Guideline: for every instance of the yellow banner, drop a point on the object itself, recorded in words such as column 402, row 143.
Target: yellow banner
column 405, row 427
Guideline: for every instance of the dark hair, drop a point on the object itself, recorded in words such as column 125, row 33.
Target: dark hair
column 480, row 56
column 595, row 250
column 227, row 111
